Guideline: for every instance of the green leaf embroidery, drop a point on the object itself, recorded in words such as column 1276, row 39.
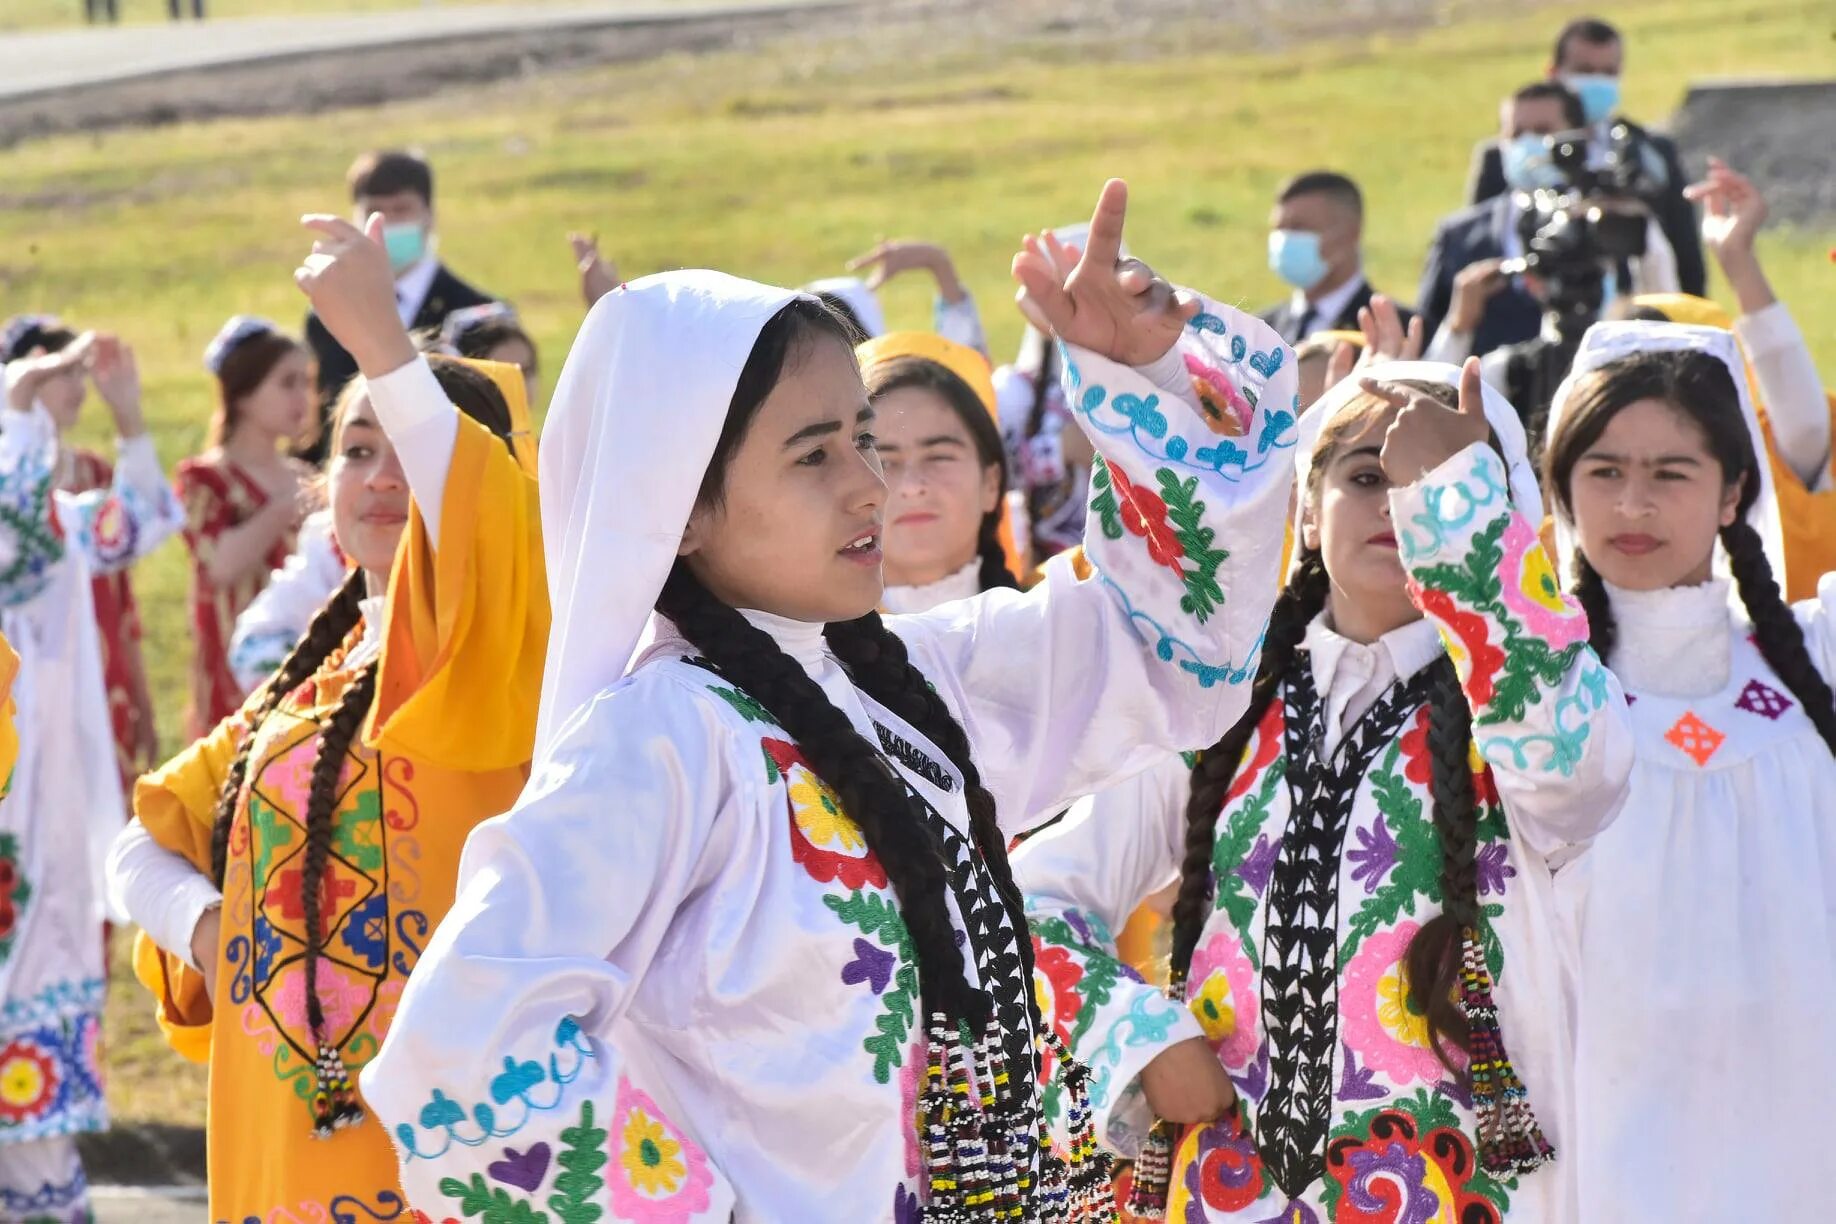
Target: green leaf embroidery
column 1417, row 872
column 748, row 709
column 874, row 915
column 492, row 1206
column 582, row 1158
column 1187, row 514
column 1249, row 819
column 1109, row 511
column 1431, row 1112
column 1101, row 972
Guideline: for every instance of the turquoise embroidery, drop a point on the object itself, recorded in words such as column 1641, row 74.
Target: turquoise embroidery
column 519, row 1082
column 1488, row 488
column 1167, row 646
column 1149, row 1021
column 1570, row 717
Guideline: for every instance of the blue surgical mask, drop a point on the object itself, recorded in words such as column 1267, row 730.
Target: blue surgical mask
column 1294, row 255
column 406, row 244
column 1528, row 165
column 1598, row 92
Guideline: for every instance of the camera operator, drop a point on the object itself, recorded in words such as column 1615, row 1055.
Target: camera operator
column 1588, row 58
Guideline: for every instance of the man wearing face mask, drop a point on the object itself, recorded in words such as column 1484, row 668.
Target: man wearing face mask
column 400, row 187
column 1588, row 59
column 1315, row 245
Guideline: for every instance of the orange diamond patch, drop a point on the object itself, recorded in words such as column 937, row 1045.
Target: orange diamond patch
column 1696, row 738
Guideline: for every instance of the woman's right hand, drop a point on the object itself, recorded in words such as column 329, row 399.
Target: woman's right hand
column 204, row 947
column 352, row 287
column 1186, row 1084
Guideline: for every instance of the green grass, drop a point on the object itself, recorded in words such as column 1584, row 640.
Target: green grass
column 783, row 162
column 50, row 14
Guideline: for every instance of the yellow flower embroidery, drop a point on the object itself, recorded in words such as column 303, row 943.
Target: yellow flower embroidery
column 1213, row 1008
column 819, row 815
column 652, row 1160
column 22, row 1081
column 1397, row 1010
column 1537, row 582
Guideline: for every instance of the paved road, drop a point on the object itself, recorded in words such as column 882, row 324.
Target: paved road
column 41, row 63
column 146, row 1207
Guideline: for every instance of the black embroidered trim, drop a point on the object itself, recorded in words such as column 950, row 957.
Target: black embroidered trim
column 1300, row 947
column 915, row 758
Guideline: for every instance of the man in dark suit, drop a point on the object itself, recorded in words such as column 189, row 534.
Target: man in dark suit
column 1316, row 246
column 400, row 187
column 1588, row 58
column 1490, row 310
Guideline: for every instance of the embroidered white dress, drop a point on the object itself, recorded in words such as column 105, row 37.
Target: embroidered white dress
column 1327, row 862
column 1707, row 922
column 677, row 952
column 66, row 803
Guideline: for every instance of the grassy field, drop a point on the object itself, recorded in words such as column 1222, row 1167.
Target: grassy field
column 49, row 14
column 783, row 162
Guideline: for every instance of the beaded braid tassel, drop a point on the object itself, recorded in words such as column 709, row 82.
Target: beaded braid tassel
column 334, row 1097
column 999, row 1133
column 1090, row 1192
column 1510, row 1141
column 938, row 1111
column 1153, row 1185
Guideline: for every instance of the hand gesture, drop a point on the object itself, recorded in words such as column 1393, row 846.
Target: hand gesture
column 26, row 376
column 352, row 287
column 1425, row 434
column 1385, row 338
column 1112, row 306
column 598, row 276
column 890, row 259
column 1474, row 286
column 1185, row 1083
column 1733, row 210
column 117, row 378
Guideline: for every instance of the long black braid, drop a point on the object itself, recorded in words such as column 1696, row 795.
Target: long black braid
column 1702, row 389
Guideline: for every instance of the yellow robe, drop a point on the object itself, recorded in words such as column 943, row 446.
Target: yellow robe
column 9, row 733
column 446, row 745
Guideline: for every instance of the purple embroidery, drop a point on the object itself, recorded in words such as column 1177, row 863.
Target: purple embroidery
column 1492, row 870
column 524, row 1170
column 1394, row 1168
column 1253, row 1084
column 1456, row 1092
column 1355, row 1084
column 872, row 964
column 1076, row 922
column 1374, row 855
column 906, row 1207
column 1763, row 700
column 1231, row 1174
column 1256, row 869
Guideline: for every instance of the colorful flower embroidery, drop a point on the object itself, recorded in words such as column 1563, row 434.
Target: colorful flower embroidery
column 29, row 1081
column 1530, row 590
column 1381, row 1021
column 1416, row 765
column 1172, row 522
column 15, row 892
column 665, row 1176
column 1226, row 410
column 1373, row 856
column 1216, row 1168
column 1409, row 1163
column 824, row 839
column 1464, row 633
column 1056, row 974
column 1141, row 513
column 1225, row 998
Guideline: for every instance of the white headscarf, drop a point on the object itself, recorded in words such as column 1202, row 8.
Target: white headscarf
column 1506, row 425
column 635, row 418
column 859, row 298
column 1605, row 343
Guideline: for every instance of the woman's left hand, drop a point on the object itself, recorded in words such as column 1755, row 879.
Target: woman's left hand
column 1426, row 434
column 352, row 288
column 1110, row 305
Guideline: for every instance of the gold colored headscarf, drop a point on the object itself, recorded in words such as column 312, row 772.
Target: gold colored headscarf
column 509, row 381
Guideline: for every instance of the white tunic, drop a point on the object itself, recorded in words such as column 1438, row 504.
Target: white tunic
column 678, row 938
column 1707, row 919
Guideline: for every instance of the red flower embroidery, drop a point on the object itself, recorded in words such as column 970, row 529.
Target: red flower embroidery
column 29, row 1080
column 1144, row 514
column 824, row 839
column 1265, row 748
column 1385, row 1172
column 1416, row 766
column 1476, row 659
column 1062, row 973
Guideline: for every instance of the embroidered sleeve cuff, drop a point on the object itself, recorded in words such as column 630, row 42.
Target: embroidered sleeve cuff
column 1436, row 514
column 1120, row 1108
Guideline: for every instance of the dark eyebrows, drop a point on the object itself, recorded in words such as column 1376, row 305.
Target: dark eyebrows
column 1661, row 461
column 1373, row 452
column 360, row 422
column 822, row 429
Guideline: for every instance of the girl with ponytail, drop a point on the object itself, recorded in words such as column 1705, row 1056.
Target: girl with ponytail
column 1707, row 971
column 288, row 868
column 748, row 946
column 1363, row 1018
column 947, row 535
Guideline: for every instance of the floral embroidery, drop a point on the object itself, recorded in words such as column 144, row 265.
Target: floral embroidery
column 824, row 839
column 1227, row 410
column 1171, row 522
column 536, row 1087
column 1416, row 869
column 666, row 1177
column 1695, row 738
column 1465, row 635
column 51, row 1077
column 30, row 1081
column 1217, row 1169
column 876, row 915
column 1056, row 974
column 1244, row 856
column 1075, row 1002
column 1416, row 765
column 1227, row 998
column 1381, row 1021
column 1531, row 592
column 15, row 893
column 1121, row 505
column 1409, row 1163
column 1373, row 856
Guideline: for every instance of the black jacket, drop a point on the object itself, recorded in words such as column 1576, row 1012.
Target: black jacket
column 445, row 294
column 1284, row 320
column 1675, row 215
column 1474, row 233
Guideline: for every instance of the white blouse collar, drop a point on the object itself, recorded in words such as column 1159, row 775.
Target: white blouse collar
column 1409, row 648
column 801, row 640
column 962, row 584
column 1673, row 642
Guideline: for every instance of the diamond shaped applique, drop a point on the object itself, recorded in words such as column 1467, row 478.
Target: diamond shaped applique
column 1695, row 738
column 1764, row 700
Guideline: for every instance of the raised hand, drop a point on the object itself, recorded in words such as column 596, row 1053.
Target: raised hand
column 1185, row 1083
column 352, row 287
column 26, row 376
column 1733, row 210
column 1426, row 434
column 1474, row 285
column 117, row 378
column 1385, row 338
column 598, row 275
column 1113, row 306
column 890, row 259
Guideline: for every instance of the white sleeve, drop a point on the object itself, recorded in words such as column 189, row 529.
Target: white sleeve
column 562, row 907
column 1448, row 345
column 423, row 425
column 1077, row 684
column 161, row 891
column 960, row 322
column 278, row 617
column 1796, row 407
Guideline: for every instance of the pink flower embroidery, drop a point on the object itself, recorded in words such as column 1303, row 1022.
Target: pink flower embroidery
column 659, row 1176
column 1531, row 591
column 1382, row 1023
column 1221, row 990
column 342, row 997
